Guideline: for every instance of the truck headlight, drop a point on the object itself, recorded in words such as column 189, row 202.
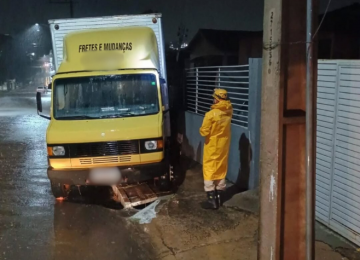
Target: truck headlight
column 58, row 151
column 151, row 145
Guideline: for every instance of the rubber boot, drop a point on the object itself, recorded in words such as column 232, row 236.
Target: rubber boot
column 220, row 197
column 211, row 202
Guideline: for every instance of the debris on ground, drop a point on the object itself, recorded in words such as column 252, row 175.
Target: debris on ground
column 146, row 215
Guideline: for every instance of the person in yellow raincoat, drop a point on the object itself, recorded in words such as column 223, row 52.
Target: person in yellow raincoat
column 216, row 129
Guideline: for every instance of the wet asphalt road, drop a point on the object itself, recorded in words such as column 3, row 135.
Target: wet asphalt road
column 33, row 225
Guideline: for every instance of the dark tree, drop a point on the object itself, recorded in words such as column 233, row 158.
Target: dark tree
column 6, row 70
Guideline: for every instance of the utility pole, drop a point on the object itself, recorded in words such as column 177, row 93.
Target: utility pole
column 288, row 130
column 181, row 42
column 68, row 2
column 182, row 38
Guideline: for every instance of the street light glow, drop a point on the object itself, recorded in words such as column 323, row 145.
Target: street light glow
column 37, row 27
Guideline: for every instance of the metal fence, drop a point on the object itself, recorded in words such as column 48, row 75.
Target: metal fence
column 201, row 82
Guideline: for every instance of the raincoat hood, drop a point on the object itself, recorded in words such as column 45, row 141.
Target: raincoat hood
column 223, row 105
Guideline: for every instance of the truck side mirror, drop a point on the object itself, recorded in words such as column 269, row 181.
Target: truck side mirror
column 38, row 102
column 39, row 106
column 164, row 96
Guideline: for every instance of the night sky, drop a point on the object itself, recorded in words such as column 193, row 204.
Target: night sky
column 18, row 15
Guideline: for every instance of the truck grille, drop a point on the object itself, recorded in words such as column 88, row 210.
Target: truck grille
column 100, row 160
column 104, row 149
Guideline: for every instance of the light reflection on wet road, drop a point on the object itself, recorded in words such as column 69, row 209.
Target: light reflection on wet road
column 32, row 224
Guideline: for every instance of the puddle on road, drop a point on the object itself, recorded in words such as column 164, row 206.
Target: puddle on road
column 11, row 106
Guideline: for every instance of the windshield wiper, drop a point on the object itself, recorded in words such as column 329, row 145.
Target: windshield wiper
column 119, row 115
column 76, row 117
column 111, row 116
column 128, row 114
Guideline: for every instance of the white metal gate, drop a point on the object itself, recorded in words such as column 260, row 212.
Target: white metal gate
column 200, row 84
column 243, row 84
column 338, row 147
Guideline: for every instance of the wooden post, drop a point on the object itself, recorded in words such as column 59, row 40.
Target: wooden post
column 283, row 225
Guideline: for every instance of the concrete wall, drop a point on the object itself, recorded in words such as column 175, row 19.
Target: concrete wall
column 244, row 152
column 255, row 75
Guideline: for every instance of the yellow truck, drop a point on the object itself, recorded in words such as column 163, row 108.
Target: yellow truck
column 109, row 115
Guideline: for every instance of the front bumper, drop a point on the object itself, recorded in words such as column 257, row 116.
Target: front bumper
column 129, row 174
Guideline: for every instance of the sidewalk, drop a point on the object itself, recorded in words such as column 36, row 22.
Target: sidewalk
column 328, row 243
column 182, row 230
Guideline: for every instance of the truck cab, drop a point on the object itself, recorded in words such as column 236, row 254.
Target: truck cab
column 109, row 122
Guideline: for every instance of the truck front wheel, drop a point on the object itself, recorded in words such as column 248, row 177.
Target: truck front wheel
column 60, row 190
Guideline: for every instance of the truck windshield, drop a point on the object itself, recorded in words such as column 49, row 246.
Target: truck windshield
column 105, row 97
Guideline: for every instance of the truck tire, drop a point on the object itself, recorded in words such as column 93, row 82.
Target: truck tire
column 60, row 190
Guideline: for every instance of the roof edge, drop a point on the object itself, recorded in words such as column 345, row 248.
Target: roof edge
column 157, row 15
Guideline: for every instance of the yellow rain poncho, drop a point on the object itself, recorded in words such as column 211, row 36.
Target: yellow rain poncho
column 216, row 129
